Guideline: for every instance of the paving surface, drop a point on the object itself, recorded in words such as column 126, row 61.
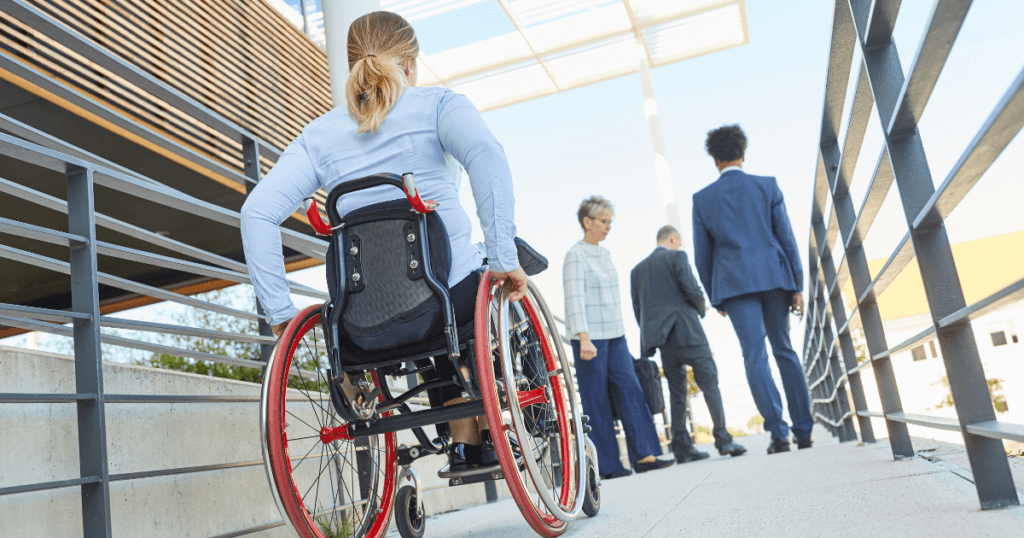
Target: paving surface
column 830, row 490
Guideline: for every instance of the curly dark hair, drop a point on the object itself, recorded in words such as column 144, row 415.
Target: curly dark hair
column 726, row 143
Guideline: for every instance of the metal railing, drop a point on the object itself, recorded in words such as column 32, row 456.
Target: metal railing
column 830, row 359
column 84, row 172
column 82, row 176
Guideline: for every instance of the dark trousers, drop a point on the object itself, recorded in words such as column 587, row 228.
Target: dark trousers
column 674, row 360
column 754, row 316
column 611, row 375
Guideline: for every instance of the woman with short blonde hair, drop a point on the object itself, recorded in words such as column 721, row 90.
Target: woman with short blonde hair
column 604, row 366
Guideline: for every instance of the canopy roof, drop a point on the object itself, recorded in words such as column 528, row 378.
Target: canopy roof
column 559, row 45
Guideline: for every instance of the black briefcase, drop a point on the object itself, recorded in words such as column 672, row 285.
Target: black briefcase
column 650, row 382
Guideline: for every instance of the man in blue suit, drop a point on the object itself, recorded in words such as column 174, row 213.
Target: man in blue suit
column 747, row 259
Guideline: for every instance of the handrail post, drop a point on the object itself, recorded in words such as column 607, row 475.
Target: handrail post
column 92, row 432
column 251, row 169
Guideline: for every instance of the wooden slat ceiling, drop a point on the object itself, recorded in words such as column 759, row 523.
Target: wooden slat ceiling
column 240, row 58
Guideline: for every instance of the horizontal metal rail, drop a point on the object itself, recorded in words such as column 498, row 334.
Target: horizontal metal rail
column 28, row 488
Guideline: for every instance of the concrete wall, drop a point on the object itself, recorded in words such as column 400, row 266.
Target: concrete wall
column 39, row 443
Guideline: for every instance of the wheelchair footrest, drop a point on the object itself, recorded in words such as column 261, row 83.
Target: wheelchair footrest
column 475, row 475
column 476, row 471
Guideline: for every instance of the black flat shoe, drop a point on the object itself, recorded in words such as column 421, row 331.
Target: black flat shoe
column 807, row 443
column 731, row 449
column 463, row 457
column 617, row 474
column 488, row 455
column 692, row 454
column 779, row 445
column 658, row 463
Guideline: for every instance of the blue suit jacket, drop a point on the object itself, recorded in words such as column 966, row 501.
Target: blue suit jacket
column 742, row 239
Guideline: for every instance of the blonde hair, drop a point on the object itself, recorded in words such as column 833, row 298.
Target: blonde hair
column 592, row 207
column 378, row 43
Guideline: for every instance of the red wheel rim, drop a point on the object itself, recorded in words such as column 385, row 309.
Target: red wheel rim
column 545, row 524
column 292, row 500
column 568, row 494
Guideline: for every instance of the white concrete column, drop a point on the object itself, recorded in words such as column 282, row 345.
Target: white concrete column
column 338, row 16
column 662, row 172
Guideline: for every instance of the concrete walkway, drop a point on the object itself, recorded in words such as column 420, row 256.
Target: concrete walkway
column 830, row 490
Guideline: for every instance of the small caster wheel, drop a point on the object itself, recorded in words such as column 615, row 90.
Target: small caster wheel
column 592, row 499
column 409, row 514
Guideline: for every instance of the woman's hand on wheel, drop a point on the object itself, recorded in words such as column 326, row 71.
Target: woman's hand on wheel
column 280, row 327
column 516, row 279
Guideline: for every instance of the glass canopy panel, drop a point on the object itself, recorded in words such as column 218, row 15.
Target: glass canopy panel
column 505, row 86
column 415, row 10
column 533, row 12
column 595, row 62
column 559, row 33
column 490, row 53
column 695, row 35
column 650, row 12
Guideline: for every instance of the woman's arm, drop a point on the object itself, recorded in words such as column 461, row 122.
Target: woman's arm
column 273, row 199
column 465, row 136
column 573, row 274
column 573, row 280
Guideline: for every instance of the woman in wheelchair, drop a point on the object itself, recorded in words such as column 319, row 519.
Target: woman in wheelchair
column 409, row 294
column 391, row 125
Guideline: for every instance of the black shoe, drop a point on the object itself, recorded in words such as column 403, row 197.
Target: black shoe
column 462, row 457
column 779, row 444
column 691, row 454
column 731, row 449
column 658, row 463
column 808, row 443
column 617, row 474
column 488, row 454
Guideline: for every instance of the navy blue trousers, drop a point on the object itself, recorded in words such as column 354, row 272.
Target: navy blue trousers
column 754, row 316
column 612, row 373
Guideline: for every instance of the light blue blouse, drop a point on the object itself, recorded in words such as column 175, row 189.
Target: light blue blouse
column 430, row 132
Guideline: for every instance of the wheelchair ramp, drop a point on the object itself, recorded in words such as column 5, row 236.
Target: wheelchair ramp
column 830, row 490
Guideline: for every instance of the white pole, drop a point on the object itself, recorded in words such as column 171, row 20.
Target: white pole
column 662, row 171
column 338, row 16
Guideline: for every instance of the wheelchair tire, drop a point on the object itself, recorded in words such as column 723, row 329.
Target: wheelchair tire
column 549, row 470
column 592, row 498
column 409, row 515
column 348, row 487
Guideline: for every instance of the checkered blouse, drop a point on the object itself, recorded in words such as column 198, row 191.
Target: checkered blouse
column 592, row 299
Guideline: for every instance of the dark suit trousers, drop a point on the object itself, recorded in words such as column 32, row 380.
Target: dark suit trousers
column 754, row 316
column 674, row 360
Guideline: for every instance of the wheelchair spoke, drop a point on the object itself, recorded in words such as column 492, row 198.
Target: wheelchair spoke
column 302, row 421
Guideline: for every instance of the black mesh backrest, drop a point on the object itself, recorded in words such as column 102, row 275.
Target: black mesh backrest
column 389, row 303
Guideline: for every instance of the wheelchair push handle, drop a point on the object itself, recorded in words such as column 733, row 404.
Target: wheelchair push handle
column 417, row 203
column 406, row 182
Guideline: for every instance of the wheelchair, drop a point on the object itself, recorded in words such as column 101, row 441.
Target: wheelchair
column 329, row 419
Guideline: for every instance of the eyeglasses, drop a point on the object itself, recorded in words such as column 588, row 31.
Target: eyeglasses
column 606, row 222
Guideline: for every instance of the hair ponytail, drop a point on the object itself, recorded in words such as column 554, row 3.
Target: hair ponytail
column 378, row 44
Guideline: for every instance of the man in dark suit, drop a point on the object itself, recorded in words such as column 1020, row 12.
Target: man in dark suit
column 747, row 259
column 668, row 305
